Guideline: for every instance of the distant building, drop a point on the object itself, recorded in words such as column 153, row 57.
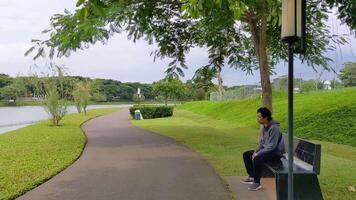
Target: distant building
column 257, row 89
column 327, row 85
column 296, row 89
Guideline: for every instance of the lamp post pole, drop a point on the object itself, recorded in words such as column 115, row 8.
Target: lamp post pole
column 293, row 31
column 290, row 120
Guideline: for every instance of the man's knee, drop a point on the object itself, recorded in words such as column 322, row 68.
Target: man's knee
column 260, row 159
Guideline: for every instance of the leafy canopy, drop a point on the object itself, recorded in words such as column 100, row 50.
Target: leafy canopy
column 177, row 26
column 348, row 74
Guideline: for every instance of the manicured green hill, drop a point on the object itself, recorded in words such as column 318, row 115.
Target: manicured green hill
column 328, row 115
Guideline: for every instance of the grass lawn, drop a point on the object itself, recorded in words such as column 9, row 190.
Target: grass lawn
column 31, row 155
column 327, row 115
column 222, row 143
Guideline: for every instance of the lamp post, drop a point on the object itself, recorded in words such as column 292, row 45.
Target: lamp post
column 293, row 30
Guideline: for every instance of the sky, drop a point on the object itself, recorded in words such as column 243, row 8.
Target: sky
column 121, row 59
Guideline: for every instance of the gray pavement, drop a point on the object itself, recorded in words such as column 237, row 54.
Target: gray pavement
column 268, row 191
column 123, row 162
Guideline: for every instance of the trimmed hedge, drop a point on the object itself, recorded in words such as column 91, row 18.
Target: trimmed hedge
column 150, row 112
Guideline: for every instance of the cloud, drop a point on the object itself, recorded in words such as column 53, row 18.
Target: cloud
column 120, row 59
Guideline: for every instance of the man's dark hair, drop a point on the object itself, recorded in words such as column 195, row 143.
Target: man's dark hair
column 265, row 112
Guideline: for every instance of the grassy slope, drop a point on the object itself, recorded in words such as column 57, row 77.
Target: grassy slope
column 328, row 116
column 222, row 142
column 31, row 155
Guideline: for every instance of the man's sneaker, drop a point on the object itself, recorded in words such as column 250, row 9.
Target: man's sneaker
column 255, row 187
column 248, row 180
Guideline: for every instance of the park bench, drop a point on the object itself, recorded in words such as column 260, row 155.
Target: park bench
column 306, row 167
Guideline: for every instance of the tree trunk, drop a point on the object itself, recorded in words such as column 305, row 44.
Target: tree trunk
column 220, row 83
column 258, row 26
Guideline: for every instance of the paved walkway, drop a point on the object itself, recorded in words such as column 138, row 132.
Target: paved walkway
column 240, row 190
column 122, row 162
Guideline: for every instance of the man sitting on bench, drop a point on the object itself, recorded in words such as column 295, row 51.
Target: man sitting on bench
column 270, row 148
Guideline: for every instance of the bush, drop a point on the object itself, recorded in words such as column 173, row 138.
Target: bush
column 54, row 105
column 150, row 112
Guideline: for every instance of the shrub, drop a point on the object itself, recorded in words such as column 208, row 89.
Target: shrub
column 54, row 105
column 150, row 112
column 81, row 96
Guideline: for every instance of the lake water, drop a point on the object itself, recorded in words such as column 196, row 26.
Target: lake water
column 12, row 118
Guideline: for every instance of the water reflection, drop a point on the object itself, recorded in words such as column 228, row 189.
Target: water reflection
column 12, row 118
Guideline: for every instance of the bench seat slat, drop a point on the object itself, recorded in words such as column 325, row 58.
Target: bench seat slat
column 281, row 167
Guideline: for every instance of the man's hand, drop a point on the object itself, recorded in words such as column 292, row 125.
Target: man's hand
column 254, row 155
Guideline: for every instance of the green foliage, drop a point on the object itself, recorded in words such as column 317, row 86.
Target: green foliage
column 281, row 83
column 242, row 46
column 346, row 10
column 193, row 92
column 101, row 90
column 150, row 112
column 348, row 74
column 5, row 80
column 32, row 155
column 204, row 22
column 308, row 86
column 203, row 79
column 57, row 88
column 335, row 84
column 245, row 33
column 98, row 97
column 81, row 96
column 14, row 90
column 117, row 91
column 138, row 98
column 54, row 105
column 169, row 88
column 35, row 86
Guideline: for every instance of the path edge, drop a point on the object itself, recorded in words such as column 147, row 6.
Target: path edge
column 223, row 181
column 36, row 185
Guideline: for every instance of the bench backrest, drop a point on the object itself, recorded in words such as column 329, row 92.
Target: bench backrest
column 306, row 154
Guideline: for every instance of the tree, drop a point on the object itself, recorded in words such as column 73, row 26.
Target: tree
column 35, row 86
column 335, row 84
column 346, row 10
column 169, row 88
column 138, row 98
column 312, row 85
column 193, row 92
column 98, row 97
column 81, row 96
column 203, row 79
column 257, row 22
column 247, row 32
column 5, row 80
column 14, row 90
column 308, row 86
column 54, row 105
column 178, row 89
column 348, row 74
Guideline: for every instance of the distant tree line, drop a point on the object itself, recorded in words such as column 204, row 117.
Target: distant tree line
column 33, row 88
column 346, row 78
column 198, row 87
column 101, row 90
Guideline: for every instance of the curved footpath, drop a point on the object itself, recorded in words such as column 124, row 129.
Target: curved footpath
column 122, row 162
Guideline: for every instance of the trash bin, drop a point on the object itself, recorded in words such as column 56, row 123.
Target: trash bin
column 137, row 115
